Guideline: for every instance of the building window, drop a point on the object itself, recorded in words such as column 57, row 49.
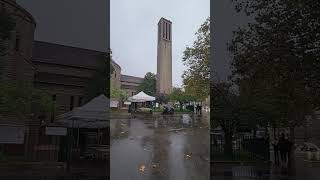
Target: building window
column 159, row 32
column 71, row 102
column 80, row 101
column 163, row 30
column 169, row 31
column 166, row 31
column 17, row 44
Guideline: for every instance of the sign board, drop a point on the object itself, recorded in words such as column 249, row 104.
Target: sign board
column 12, row 134
column 56, row 131
column 114, row 104
column 127, row 103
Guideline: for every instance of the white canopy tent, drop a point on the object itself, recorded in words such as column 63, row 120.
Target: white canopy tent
column 141, row 97
column 91, row 115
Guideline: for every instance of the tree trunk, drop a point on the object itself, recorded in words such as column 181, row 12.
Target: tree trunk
column 180, row 106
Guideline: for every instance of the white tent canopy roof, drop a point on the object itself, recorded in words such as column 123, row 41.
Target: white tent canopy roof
column 141, row 97
column 91, row 115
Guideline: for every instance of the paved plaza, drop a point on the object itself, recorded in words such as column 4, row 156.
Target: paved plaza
column 165, row 147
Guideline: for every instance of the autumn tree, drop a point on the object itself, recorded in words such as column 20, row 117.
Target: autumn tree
column 278, row 54
column 196, row 58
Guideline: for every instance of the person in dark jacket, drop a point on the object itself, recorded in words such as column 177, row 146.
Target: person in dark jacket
column 283, row 149
column 275, row 145
column 288, row 145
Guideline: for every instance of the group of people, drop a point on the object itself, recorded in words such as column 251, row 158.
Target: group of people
column 282, row 147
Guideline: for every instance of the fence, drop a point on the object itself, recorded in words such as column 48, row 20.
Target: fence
column 244, row 148
column 31, row 143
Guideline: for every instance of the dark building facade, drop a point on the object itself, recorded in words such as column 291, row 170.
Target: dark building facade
column 16, row 63
column 65, row 72
column 16, row 71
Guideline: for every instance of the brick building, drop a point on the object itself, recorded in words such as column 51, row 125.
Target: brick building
column 64, row 72
column 16, row 63
column 129, row 84
column 16, row 69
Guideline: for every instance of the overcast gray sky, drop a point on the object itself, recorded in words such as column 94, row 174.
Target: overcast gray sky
column 78, row 23
column 133, row 32
column 225, row 21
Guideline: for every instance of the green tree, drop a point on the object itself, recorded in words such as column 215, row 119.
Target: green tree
column 196, row 58
column 23, row 101
column 279, row 53
column 149, row 84
column 118, row 94
column 178, row 95
column 162, row 98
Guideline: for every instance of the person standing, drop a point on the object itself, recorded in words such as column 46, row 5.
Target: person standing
column 129, row 109
column 283, row 149
column 288, row 149
column 275, row 145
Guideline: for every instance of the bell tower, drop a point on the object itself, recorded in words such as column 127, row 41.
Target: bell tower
column 164, row 57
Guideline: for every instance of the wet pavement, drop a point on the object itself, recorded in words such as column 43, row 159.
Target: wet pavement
column 160, row 147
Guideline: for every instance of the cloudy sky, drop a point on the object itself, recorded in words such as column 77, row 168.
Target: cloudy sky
column 133, row 32
column 78, row 23
column 225, row 21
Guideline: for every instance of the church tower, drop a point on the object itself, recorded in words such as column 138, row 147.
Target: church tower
column 164, row 57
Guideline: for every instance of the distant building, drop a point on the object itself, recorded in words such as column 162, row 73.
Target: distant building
column 129, row 84
column 116, row 75
column 164, row 57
